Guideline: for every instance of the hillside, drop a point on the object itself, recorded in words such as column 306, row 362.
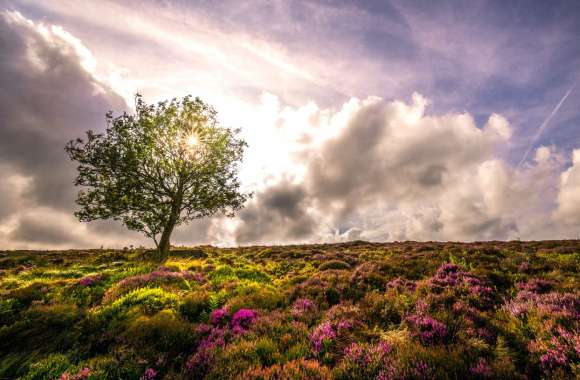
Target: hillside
column 344, row 311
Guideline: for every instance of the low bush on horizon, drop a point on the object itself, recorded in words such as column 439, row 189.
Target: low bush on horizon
column 357, row 310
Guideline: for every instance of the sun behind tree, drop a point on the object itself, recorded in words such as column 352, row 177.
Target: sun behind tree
column 166, row 165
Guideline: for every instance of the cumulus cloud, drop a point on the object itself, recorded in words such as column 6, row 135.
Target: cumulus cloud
column 48, row 96
column 391, row 171
column 568, row 210
column 278, row 213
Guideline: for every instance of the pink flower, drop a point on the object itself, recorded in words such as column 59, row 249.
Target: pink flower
column 149, row 374
column 90, row 280
column 302, row 307
column 219, row 317
column 324, row 332
column 427, row 329
column 242, row 319
column 83, row 374
column 482, row 369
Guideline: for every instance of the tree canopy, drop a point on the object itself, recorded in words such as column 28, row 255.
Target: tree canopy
column 165, row 165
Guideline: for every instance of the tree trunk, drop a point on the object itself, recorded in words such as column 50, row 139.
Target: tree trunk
column 165, row 243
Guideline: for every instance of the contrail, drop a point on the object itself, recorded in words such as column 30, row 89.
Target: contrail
column 546, row 122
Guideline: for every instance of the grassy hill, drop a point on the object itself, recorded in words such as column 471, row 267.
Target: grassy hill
column 344, row 311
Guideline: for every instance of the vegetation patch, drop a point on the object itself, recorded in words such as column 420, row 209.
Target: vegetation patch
column 344, row 311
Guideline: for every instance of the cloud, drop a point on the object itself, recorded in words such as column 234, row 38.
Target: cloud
column 391, row 152
column 391, row 171
column 278, row 213
column 568, row 210
column 48, row 96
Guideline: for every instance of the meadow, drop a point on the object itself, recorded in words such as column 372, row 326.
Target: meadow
column 358, row 310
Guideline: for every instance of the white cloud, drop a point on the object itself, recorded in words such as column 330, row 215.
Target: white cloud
column 568, row 210
column 391, row 171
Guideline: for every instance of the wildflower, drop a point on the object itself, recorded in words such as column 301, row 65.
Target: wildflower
column 427, row 329
column 422, row 370
column 303, row 306
column 524, row 267
column 481, row 369
column 149, row 374
column 83, row 374
column 218, row 317
column 90, row 280
column 242, row 319
column 402, row 284
column 322, row 334
column 536, row 285
column 344, row 325
column 203, row 359
column 554, row 357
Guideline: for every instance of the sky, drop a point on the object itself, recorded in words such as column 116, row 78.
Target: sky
column 371, row 120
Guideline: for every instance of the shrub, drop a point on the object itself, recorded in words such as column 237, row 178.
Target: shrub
column 254, row 295
column 48, row 368
column 334, row 264
column 364, row 361
column 114, row 368
column 162, row 277
column 427, row 329
column 397, row 311
column 243, row 319
column 149, row 301
column 162, row 332
column 195, row 306
column 293, row 370
column 240, row 356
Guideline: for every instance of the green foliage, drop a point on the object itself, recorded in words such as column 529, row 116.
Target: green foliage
column 243, row 355
column 196, row 306
column 162, row 332
column 334, row 264
column 48, row 368
column 147, row 300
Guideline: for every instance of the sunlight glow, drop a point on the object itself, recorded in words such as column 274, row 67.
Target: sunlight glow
column 192, row 141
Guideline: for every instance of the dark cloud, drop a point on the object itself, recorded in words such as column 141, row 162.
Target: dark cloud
column 197, row 232
column 47, row 97
column 382, row 156
column 277, row 214
column 45, row 230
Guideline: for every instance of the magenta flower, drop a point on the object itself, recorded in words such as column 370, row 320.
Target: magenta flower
column 422, row 370
column 482, row 369
column 429, row 330
column 90, row 280
column 303, row 307
column 322, row 334
column 402, row 284
column 219, row 317
column 202, row 361
column 524, row 267
column 150, row 374
column 367, row 355
column 242, row 319
column 536, row 285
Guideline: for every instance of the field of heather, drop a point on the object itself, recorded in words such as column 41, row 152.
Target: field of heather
column 343, row 311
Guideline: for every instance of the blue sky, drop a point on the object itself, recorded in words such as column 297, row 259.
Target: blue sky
column 301, row 76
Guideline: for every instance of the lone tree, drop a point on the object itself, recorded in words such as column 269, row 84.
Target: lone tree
column 166, row 165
